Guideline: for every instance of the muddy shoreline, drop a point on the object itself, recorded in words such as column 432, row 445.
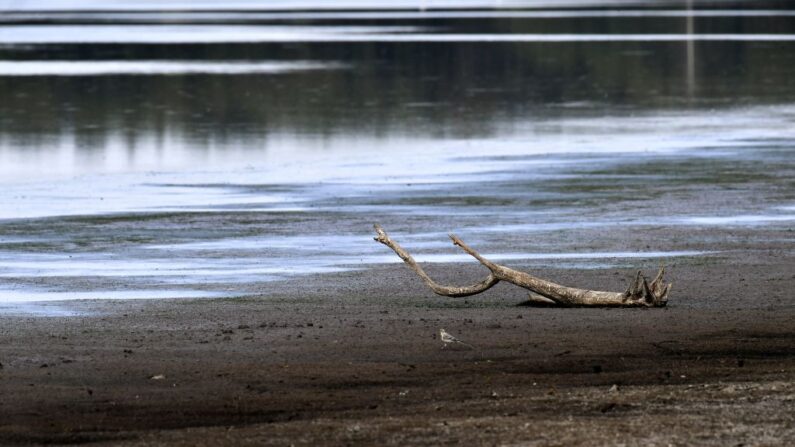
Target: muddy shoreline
column 238, row 160
column 353, row 358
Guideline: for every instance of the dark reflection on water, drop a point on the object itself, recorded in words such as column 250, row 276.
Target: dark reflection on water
column 436, row 89
column 439, row 89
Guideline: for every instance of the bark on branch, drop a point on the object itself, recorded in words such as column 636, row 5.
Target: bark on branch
column 640, row 293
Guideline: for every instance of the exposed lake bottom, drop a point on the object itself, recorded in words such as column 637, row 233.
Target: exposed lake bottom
column 603, row 210
column 187, row 201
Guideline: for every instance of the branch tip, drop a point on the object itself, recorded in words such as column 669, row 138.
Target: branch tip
column 382, row 236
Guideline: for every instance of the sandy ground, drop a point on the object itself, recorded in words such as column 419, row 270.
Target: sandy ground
column 354, row 359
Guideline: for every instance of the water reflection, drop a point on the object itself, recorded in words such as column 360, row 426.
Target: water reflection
column 237, row 34
column 388, row 95
column 151, row 68
column 253, row 147
column 316, row 16
column 314, row 5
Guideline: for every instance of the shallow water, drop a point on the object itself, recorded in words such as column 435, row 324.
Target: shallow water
column 196, row 154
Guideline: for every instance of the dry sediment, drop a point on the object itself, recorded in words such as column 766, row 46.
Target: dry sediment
column 331, row 363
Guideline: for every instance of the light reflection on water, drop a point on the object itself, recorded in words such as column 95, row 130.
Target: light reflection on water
column 245, row 17
column 216, row 34
column 166, row 278
column 28, row 295
column 105, row 195
column 183, row 34
column 760, row 219
column 318, row 5
column 256, row 268
column 144, row 68
column 343, row 166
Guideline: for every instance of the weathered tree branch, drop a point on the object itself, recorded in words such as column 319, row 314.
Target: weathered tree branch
column 439, row 289
column 639, row 294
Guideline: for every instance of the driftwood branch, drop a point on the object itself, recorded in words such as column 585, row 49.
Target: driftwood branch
column 439, row 289
column 640, row 293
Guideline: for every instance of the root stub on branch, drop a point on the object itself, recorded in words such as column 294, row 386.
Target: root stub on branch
column 640, row 293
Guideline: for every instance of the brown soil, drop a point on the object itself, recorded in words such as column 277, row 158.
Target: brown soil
column 354, row 358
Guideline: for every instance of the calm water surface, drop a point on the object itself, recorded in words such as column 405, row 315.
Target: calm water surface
column 193, row 154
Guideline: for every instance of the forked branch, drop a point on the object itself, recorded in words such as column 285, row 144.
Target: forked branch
column 639, row 294
column 439, row 289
